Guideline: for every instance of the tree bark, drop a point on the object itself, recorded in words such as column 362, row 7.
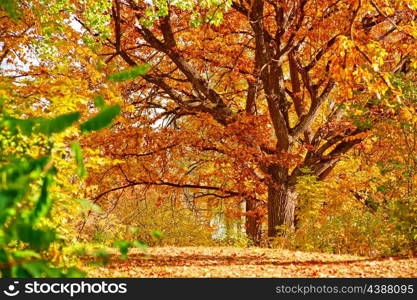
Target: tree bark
column 281, row 202
column 253, row 222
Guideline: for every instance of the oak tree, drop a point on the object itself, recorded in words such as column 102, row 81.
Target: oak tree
column 263, row 91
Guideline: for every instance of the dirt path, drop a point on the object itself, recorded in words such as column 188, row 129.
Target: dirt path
column 251, row 262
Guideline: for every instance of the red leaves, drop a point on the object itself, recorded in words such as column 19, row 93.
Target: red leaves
column 251, row 262
column 309, row 147
column 159, row 202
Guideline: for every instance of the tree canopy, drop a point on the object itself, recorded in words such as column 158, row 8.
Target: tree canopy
column 289, row 123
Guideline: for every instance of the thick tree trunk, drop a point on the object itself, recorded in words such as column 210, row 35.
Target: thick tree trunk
column 253, row 222
column 281, row 208
column 281, row 202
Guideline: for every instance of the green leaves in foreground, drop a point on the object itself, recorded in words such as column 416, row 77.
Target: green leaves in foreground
column 44, row 203
column 11, row 8
column 101, row 120
column 78, row 155
column 124, row 246
column 130, row 74
column 41, row 125
column 99, row 102
column 25, row 200
column 157, row 234
column 24, row 219
column 56, row 125
column 107, row 114
column 59, row 123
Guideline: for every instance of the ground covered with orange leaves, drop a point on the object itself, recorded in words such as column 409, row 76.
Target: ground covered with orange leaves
column 250, row 262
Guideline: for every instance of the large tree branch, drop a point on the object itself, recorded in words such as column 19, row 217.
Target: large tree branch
column 271, row 75
column 307, row 119
column 150, row 153
column 321, row 165
column 199, row 84
column 169, row 184
column 321, row 52
column 323, row 168
column 217, row 112
column 393, row 23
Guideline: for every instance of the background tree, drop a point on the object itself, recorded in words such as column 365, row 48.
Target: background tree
column 256, row 91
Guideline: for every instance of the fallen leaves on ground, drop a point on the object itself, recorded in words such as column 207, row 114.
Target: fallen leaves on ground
column 250, row 262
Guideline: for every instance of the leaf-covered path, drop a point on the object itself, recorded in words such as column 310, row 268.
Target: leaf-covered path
column 251, row 262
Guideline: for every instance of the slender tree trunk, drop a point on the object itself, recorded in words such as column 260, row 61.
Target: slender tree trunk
column 253, row 222
column 281, row 202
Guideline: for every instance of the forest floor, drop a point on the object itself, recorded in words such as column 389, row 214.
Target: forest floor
column 249, row 262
